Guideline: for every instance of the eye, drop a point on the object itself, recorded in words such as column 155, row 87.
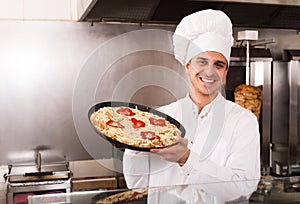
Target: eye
column 202, row 62
column 220, row 65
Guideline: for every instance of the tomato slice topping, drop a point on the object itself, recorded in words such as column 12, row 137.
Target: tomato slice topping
column 125, row 111
column 149, row 135
column 137, row 123
column 115, row 124
column 159, row 122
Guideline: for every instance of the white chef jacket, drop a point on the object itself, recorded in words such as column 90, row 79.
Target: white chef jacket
column 224, row 143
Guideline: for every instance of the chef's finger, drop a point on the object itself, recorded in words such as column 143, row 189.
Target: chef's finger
column 181, row 140
column 156, row 150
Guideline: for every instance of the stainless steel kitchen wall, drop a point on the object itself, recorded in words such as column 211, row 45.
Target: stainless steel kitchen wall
column 41, row 66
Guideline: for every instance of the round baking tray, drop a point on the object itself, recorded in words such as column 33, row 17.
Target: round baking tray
column 121, row 145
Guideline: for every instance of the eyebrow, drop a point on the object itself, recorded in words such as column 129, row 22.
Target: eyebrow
column 201, row 58
column 221, row 62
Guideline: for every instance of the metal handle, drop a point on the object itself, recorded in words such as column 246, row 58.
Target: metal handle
column 38, row 160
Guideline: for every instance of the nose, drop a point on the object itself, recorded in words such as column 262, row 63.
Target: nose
column 210, row 70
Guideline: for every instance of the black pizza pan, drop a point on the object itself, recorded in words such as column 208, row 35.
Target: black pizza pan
column 123, row 146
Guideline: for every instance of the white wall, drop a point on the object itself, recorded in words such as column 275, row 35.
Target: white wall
column 66, row 10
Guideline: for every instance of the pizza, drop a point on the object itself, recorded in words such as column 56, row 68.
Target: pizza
column 123, row 197
column 134, row 127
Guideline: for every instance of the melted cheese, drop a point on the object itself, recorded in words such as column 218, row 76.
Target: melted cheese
column 131, row 135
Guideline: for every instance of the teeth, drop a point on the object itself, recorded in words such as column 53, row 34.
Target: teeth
column 208, row 80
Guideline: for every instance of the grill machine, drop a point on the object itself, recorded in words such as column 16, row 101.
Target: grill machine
column 259, row 74
column 35, row 179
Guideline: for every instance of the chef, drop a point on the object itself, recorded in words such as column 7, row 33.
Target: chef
column 221, row 144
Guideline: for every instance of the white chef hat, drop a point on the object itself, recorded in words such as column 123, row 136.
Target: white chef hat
column 206, row 30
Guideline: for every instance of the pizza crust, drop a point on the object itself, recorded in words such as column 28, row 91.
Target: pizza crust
column 131, row 135
column 126, row 196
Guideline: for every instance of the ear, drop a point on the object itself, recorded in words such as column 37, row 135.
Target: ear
column 187, row 67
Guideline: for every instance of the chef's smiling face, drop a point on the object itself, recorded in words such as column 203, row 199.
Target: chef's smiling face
column 207, row 72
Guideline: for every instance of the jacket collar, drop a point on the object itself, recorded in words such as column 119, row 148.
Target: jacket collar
column 206, row 109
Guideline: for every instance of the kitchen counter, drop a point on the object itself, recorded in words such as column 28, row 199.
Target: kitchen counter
column 269, row 190
column 277, row 190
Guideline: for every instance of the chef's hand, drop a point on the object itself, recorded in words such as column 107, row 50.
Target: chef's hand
column 178, row 153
